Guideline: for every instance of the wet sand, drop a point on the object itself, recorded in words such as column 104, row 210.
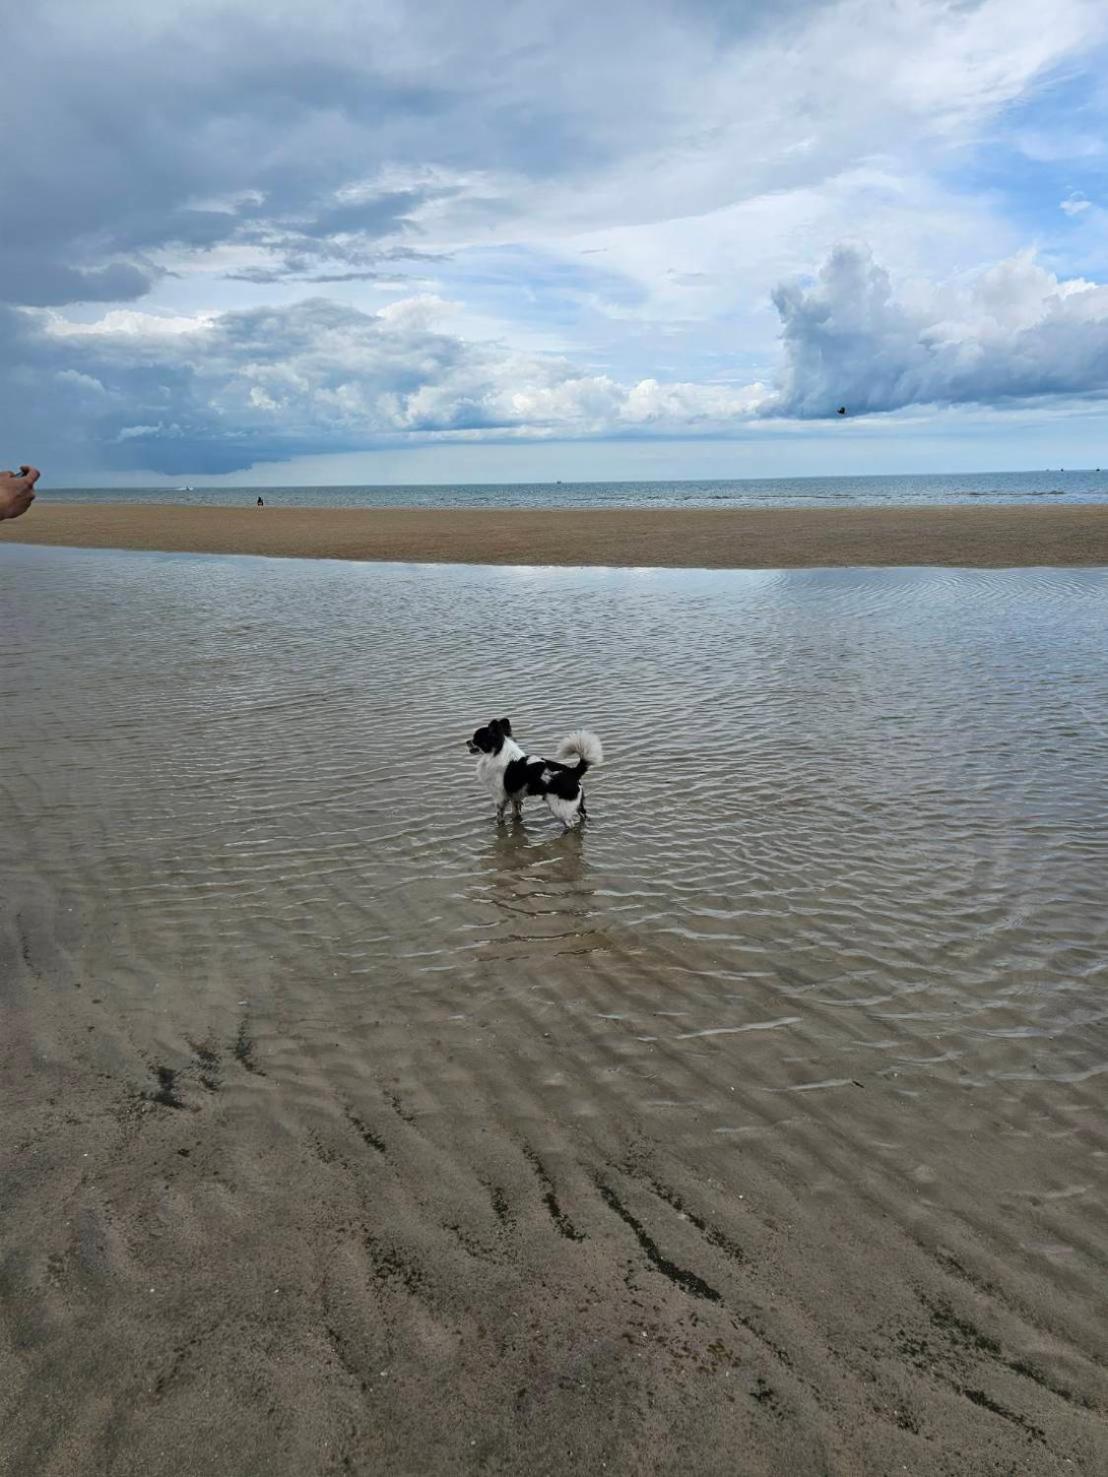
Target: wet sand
column 756, row 1130
column 749, row 538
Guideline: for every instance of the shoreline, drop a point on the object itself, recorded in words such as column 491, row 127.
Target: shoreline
column 737, row 538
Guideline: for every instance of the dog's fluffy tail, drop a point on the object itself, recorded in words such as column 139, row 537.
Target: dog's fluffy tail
column 583, row 746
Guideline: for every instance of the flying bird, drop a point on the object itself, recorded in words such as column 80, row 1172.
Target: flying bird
column 842, row 409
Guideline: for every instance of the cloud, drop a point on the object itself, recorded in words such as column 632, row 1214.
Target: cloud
column 170, row 133
column 1011, row 334
column 1074, row 204
column 314, row 140
column 219, row 393
column 26, row 277
column 609, row 203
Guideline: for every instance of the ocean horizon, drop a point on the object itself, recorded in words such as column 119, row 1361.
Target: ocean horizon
column 919, row 489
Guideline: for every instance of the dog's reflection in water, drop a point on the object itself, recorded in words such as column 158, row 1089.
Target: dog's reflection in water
column 541, row 893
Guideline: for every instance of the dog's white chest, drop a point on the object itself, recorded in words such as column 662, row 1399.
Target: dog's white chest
column 491, row 768
column 491, row 774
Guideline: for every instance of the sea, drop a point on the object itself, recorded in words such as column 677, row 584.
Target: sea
column 1088, row 486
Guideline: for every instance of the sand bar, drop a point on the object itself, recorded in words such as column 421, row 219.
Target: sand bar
column 747, row 538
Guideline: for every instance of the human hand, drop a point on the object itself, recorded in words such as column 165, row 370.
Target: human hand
column 17, row 491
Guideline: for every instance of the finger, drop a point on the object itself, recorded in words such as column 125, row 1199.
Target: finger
column 7, row 472
column 32, row 474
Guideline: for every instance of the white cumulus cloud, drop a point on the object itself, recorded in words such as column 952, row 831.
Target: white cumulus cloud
column 1010, row 334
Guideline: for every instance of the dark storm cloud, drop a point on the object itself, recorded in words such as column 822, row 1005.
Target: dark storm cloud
column 150, row 115
column 221, row 122
column 25, row 277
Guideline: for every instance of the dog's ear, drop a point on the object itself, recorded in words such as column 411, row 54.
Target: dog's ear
column 493, row 725
column 506, row 726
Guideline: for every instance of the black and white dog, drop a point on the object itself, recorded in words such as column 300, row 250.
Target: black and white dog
column 510, row 775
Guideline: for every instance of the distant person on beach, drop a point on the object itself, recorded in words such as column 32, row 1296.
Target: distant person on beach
column 17, row 491
column 261, row 504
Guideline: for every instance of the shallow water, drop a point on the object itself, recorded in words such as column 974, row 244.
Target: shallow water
column 864, row 811
column 837, row 918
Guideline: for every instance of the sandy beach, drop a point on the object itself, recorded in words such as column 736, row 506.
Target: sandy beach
column 994, row 537
column 755, row 1130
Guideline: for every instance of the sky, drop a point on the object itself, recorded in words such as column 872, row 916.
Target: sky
column 373, row 241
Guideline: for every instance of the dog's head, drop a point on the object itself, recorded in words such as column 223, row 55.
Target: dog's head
column 490, row 739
